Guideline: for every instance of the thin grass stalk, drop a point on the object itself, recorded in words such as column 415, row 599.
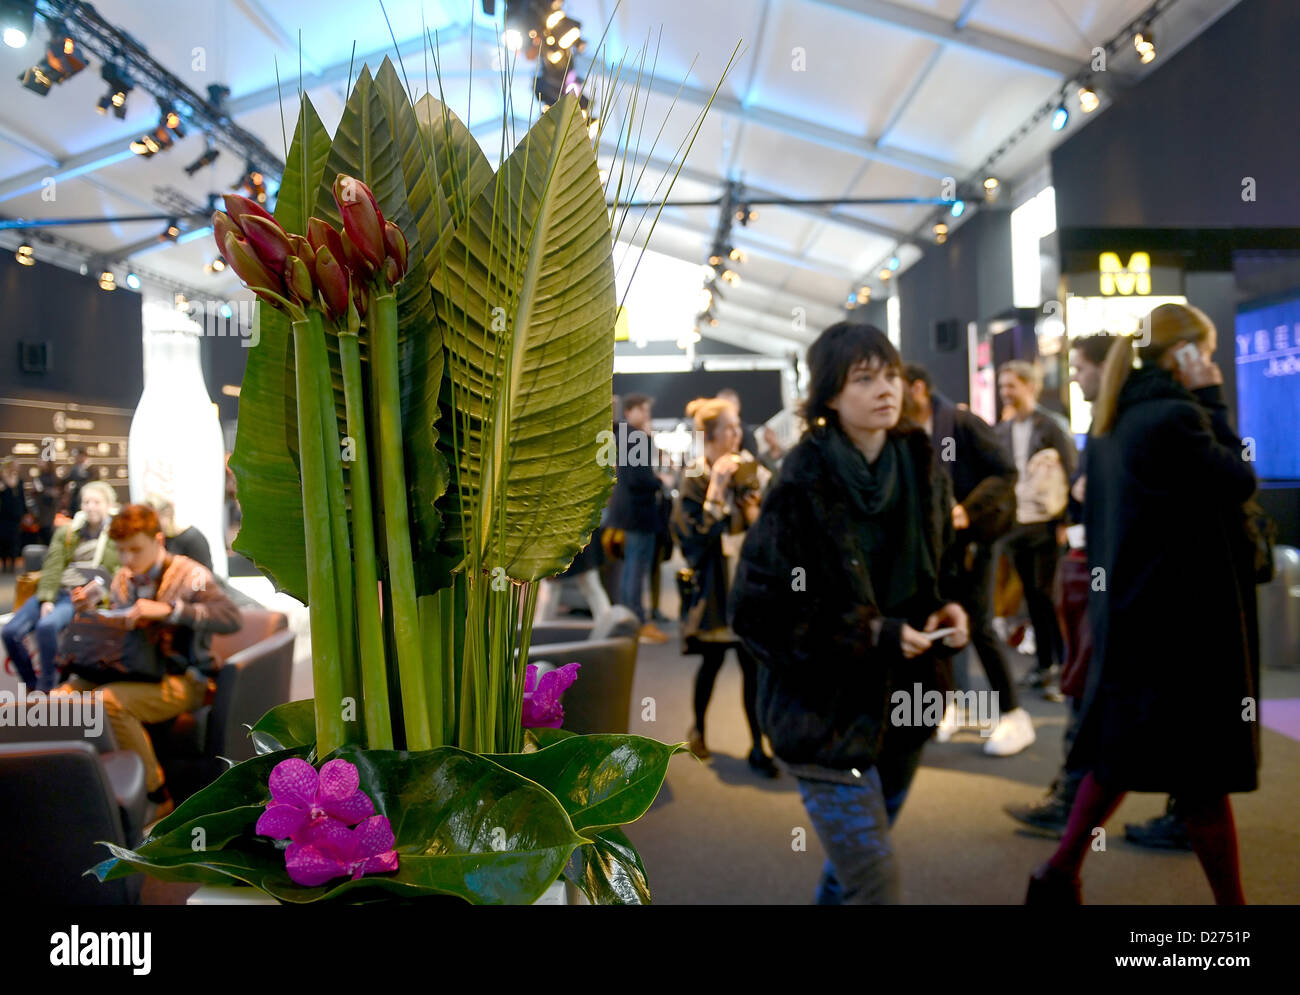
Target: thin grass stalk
column 341, row 556
column 370, row 627
column 432, row 622
column 327, row 677
column 382, row 321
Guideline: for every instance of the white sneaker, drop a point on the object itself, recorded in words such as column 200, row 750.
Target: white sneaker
column 949, row 724
column 1000, row 627
column 1029, row 644
column 1014, row 732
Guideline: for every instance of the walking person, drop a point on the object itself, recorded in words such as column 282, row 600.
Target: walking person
column 718, row 501
column 1164, row 521
column 837, row 592
column 983, row 479
column 633, row 508
column 1045, row 458
column 13, row 505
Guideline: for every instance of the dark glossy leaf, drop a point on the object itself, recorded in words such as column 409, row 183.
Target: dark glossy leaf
column 241, row 785
column 602, row 780
column 542, row 737
column 285, row 727
column 609, row 871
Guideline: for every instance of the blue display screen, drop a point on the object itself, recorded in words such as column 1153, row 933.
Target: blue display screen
column 1268, row 385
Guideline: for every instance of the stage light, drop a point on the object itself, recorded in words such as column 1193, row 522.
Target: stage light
column 885, row 274
column 554, row 18
column 24, row 255
column 63, row 55
column 730, row 276
column 958, row 208
column 894, row 263
column 119, row 86
column 182, row 302
column 737, row 256
column 864, row 295
column 214, row 265
column 227, row 311
column 171, row 232
column 1088, row 99
column 940, row 233
column 132, row 281
column 107, row 281
column 1145, row 43
column 567, row 32
column 1060, row 116
column 513, row 38
column 554, row 56
column 16, row 20
column 37, row 79
column 206, row 159
column 990, row 183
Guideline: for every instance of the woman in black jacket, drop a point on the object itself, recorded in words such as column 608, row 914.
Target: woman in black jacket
column 837, row 588
column 1172, row 696
column 714, row 508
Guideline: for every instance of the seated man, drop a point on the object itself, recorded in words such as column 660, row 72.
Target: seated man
column 80, row 544
column 177, row 605
column 188, row 541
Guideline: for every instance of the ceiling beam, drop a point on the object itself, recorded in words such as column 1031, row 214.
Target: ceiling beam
column 940, row 29
column 795, row 127
column 750, row 245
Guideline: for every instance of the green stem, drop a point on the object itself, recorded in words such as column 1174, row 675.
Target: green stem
column 382, row 320
column 432, row 624
column 341, row 555
column 370, row 630
column 327, row 677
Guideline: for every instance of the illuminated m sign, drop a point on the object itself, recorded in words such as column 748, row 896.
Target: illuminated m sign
column 1132, row 279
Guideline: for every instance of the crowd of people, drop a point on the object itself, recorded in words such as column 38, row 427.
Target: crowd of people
column 855, row 566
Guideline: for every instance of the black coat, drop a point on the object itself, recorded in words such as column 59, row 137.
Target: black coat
column 699, row 534
column 1164, row 704
column 802, row 603
column 980, row 466
column 634, row 505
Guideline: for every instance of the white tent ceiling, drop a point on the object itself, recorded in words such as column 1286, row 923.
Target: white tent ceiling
column 825, row 99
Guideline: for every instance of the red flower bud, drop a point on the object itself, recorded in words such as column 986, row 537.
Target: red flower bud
column 298, row 279
column 248, row 267
column 321, row 235
column 221, row 227
column 362, row 221
column 360, row 297
column 240, row 208
column 395, row 246
column 391, row 274
column 332, row 279
column 353, row 259
column 269, row 241
column 304, row 251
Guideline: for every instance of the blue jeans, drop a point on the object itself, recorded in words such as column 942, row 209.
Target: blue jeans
column 853, row 823
column 638, row 560
column 27, row 618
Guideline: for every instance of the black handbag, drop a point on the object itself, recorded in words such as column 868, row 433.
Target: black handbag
column 103, row 651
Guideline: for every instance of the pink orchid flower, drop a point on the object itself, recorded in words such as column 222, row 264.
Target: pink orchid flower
column 328, row 849
column 542, row 706
column 300, row 798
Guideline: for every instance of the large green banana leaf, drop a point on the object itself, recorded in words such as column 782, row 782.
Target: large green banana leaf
column 525, row 291
column 381, row 142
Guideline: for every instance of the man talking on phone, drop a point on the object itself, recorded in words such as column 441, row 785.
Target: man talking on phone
column 174, row 604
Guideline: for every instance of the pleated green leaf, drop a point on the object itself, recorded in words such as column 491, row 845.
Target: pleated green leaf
column 525, row 292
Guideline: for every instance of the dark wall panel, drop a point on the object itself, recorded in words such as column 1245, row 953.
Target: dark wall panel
column 1174, row 151
column 759, row 390
column 96, row 349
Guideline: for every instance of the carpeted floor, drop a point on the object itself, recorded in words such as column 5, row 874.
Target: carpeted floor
column 720, row 835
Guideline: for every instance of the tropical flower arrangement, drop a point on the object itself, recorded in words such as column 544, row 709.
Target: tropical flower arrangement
column 415, row 451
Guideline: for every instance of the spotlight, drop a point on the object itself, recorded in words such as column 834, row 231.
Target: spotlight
column 864, row 295
column 894, row 263
column 513, row 38
column 730, row 276
column 940, row 233
column 885, row 274
column 171, row 232
column 991, row 183
column 1060, row 116
column 736, row 256
column 107, row 281
column 37, row 79
column 851, row 303
column 119, row 86
column 227, row 311
column 63, row 55
column 182, row 302
column 958, row 208
column 24, row 255
column 208, row 157
column 215, row 265
column 553, row 18
column 252, row 183
column 1088, row 99
column 1145, row 43
column 745, row 214
column 16, row 20
column 567, row 31
column 132, row 281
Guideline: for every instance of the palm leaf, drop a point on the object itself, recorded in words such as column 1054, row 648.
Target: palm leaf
column 526, row 295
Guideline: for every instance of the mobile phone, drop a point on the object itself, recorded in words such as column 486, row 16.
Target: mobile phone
column 746, row 474
column 938, row 634
column 1187, row 355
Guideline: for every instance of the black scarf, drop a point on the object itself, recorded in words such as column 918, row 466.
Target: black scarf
column 884, row 498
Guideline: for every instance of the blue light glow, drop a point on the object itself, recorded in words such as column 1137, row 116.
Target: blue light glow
column 1059, row 117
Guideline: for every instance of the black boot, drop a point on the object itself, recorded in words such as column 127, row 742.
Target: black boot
column 760, row 763
column 1164, row 832
column 1052, row 888
column 1050, row 815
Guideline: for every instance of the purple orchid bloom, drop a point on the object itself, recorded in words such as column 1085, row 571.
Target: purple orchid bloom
column 328, row 849
column 301, row 798
column 542, row 706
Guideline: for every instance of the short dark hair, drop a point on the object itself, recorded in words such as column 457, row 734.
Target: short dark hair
column 912, row 372
column 631, row 401
column 837, row 350
column 134, row 519
column 1094, row 347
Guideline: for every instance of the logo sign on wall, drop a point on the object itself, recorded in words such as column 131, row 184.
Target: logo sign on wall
column 1115, row 278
